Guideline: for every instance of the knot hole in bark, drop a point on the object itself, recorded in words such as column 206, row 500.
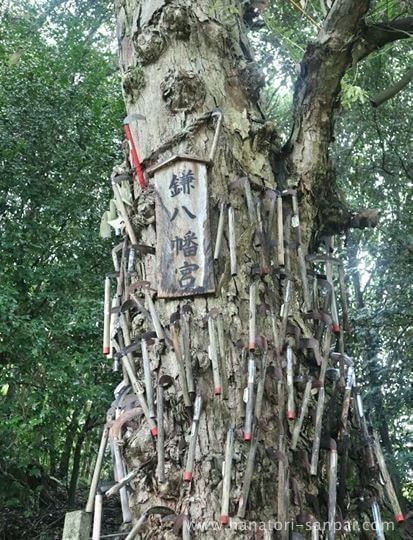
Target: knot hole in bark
column 183, row 91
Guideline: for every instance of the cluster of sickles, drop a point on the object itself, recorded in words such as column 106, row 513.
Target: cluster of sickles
column 317, row 276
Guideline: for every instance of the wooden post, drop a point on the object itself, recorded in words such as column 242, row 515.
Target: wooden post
column 190, row 460
column 97, row 516
column 388, row 484
column 304, row 408
column 290, row 384
column 147, row 378
column 332, row 491
column 160, row 443
column 124, row 213
column 121, row 483
column 137, row 388
column 315, row 531
column 115, row 304
column 222, row 358
column 226, row 482
column 280, row 232
column 344, row 301
column 115, row 258
column 213, row 356
column 285, row 308
column 131, row 260
column 186, row 340
column 261, row 384
column 378, row 523
column 282, row 506
column 98, row 467
column 106, row 318
column 319, row 417
column 252, row 316
column 127, row 340
column 220, row 231
column 154, row 315
column 186, row 529
column 232, row 241
column 329, row 274
column 250, row 398
column 119, row 473
column 137, row 527
column 249, row 468
column 249, row 471
column 272, row 196
column 304, row 279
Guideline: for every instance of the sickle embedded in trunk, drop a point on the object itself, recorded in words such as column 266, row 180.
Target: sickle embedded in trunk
column 132, row 147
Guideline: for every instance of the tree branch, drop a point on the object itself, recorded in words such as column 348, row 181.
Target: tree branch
column 386, row 32
column 315, row 100
column 368, row 217
column 390, row 92
column 324, row 64
column 337, row 222
column 344, row 39
column 375, row 36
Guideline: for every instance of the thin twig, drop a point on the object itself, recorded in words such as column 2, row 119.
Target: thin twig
column 306, row 15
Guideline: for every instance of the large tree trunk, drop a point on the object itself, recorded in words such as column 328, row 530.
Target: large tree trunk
column 180, row 60
column 192, row 59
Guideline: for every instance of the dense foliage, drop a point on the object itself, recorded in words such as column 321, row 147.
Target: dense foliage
column 60, row 110
column 375, row 170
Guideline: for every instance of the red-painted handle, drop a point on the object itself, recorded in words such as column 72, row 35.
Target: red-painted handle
column 135, row 159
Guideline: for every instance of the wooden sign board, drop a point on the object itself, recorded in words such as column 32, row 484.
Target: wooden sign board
column 184, row 262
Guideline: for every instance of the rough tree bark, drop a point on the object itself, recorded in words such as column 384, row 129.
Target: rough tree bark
column 179, row 60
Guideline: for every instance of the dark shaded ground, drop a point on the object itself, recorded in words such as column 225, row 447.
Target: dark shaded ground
column 47, row 523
